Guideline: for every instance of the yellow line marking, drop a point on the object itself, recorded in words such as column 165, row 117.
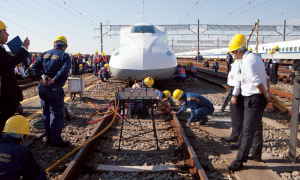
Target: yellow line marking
column 38, row 95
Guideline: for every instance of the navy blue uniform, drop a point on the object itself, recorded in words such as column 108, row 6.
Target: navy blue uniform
column 17, row 160
column 56, row 64
column 103, row 61
column 199, row 105
column 215, row 66
column 103, row 74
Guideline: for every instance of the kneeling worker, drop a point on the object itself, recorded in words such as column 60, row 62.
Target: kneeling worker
column 16, row 159
column 103, row 73
column 199, row 105
column 166, row 94
column 56, row 64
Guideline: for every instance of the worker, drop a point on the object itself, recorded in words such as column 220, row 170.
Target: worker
column 206, row 64
column 254, row 85
column 180, row 72
column 165, row 94
column 103, row 73
column 33, row 58
column 199, row 105
column 56, row 64
column 96, row 63
column 38, row 55
column 29, row 72
column 9, row 86
column 80, row 70
column 215, row 66
column 79, row 58
column 17, row 159
column 274, row 67
column 191, row 70
column 91, row 61
column 19, row 72
column 250, row 49
column 267, row 63
column 88, row 68
column 140, row 109
column 229, row 61
column 103, row 60
column 237, row 110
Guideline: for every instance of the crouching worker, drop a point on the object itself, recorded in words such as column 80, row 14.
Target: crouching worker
column 199, row 105
column 181, row 73
column 140, row 108
column 166, row 94
column 191, row 70
column 103, row 73
column 206, row 64
column 215, row 66
column 29, row 72
column 17, row 159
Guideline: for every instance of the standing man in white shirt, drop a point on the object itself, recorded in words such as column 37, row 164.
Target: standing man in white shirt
column 274, row 67
column 254, row 85
column 237, row 110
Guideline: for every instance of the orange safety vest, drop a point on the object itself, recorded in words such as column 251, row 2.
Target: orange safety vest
column 33, row 60
column 191, row 67
column 100, row 72
column 137, row 85
column 265, row 60
column 104, row 59
column 182, row 70
column 97, row 59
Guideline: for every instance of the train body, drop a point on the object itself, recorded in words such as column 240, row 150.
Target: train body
column 220, row 54
column 143, row 53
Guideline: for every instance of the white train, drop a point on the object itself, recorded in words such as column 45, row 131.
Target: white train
column 143, row 53
column 220, row 54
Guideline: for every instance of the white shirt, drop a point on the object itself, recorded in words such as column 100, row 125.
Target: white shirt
column 21, row 47
column 251, row 74
column 275, row 60
column 20, row 70
column 235, row 66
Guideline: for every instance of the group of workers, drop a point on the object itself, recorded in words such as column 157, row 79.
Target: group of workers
column 215, row 66
column 272, row 65
column 182, row 72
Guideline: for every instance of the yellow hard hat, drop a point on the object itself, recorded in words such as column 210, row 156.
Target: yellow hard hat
column 78, row 53
column 215, row 60
column 177, row 94
column 180, row 64
column 103, row 53
column 106, row 65
column 80, row 65
column 250, row 49
column 238, row 41
column 61, row 38
column 191, row 62
column 167, row 93
column 149, row 81
column 19, row 65
column 38, row 54
column 271, row 51
column 96, row 52
column 33, row 54
column 228, row 52
column 2, row 25
column 17, row 125
column 75, row 54
column 205, row 59
column 275, row 47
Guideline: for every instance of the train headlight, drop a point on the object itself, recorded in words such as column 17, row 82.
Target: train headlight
column 169, row 53
column 116, row 53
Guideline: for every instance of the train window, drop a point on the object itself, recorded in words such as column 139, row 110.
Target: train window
column 299, row 48
column 287, row 49
column 279, row 49
column 266, row 50
column 291, row 48
column 283, row 49
column 295, row 48
column 144, row 29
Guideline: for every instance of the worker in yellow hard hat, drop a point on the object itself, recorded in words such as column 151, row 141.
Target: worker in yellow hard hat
column 9, row 86
column 206, row 64
column 55, row 65
column 229, row 60
column 199, row 105
column 17, row 159
column 254, row 85
column 180, row 73
column 215, row 66
column 274, row 66
column 29, row 72
column 96, row 63
column 103, row 59
column 162, row 94
column 103, row 73
column 250, row 49
column 191, row 70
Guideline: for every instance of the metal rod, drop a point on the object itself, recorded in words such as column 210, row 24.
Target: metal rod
column 101, row 37
column 198, row 36
column 284, row 27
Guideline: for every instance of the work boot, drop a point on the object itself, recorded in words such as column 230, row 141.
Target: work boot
column 235, row 165
column 235, row 146
column 257, row 159
column 228, row 139
column 61, row 144
column 48, row 142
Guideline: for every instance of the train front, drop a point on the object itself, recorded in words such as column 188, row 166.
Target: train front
column 142, row 53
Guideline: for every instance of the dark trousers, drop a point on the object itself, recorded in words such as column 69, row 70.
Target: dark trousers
column 178, row 78
column 252, row 127
column 6, row 111
column 274, row 73
column 228, row 66
column 237, row 119
column 96, row 68
column 52, row 102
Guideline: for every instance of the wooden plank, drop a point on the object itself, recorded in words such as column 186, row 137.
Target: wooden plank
column 135, row 152
column 139, row 128
column 164, row 168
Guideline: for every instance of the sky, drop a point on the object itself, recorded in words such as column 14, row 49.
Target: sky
column 43, row 20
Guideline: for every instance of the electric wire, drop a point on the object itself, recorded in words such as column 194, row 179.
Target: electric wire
column 195, row 10
column 61, row 29
column 279, row 14
column 83, row 10
column 188, row 11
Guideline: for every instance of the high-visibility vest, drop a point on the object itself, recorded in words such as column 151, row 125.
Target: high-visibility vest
column 100, row 72
column 182, row 70
column 97, row 59
column 191, row 68
column 265, row 60
column 104, row 59
column 33, row 60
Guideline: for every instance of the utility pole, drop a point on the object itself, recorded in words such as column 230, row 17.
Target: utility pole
column 284, row 27
column 172, row 45
column 257, row 28
column 198, row 40
column 101, row 37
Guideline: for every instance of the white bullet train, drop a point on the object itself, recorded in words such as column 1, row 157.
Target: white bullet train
column 143, row 53
column 220, row 54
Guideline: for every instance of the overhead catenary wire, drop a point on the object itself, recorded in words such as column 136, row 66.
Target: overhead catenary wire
column 280, row 14
column 60, row 28
column 195, row 10
column 84, row 10
column 188, row 12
